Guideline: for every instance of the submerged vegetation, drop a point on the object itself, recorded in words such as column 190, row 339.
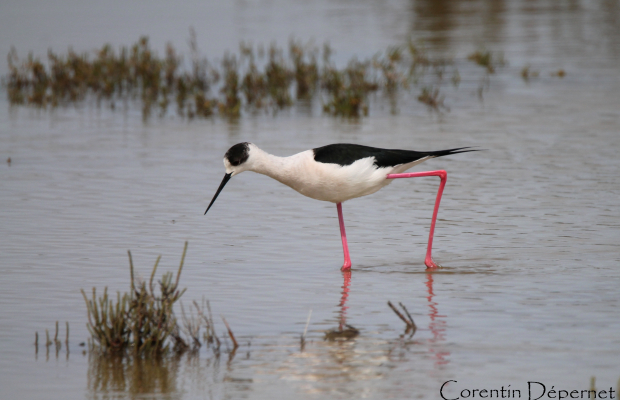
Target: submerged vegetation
column 254, row 79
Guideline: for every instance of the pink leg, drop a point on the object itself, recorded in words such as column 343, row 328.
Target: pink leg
column 444, row 176
column 343, row 300
column 343, row 234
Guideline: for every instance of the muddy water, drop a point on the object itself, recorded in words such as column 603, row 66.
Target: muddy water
column 528, row 230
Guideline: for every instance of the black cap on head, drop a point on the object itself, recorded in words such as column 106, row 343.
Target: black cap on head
column 238, row 154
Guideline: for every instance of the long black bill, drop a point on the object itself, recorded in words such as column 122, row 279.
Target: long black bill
column 226, row 179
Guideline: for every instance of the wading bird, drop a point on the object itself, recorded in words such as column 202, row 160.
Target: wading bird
column 336, row 173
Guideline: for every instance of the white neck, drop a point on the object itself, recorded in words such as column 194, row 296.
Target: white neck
column 281, row 169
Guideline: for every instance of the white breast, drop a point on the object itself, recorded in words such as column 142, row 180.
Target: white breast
column 332, row 182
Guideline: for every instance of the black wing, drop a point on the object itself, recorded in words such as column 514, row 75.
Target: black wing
column 346, row 154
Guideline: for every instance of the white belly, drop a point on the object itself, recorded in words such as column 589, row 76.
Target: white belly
column 334, row 183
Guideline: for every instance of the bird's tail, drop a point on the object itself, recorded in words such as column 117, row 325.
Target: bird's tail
column 441, row 153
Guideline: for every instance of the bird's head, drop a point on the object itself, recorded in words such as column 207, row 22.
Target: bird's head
column 235, row 162
column 236, row 158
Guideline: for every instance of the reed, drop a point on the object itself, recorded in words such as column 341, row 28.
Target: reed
column 230, row 334
column 487, row 59
column 348, row 89
column 409, row 323
column 141, row 320
column 231, row 104
column 305, row 68
column 278, row 77
column 431, row 97
column 248, row 81
column 253, row 84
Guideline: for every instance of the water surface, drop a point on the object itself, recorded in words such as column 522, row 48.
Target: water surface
column 527, row 229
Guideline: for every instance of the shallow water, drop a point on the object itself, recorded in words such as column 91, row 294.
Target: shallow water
column 528, row 230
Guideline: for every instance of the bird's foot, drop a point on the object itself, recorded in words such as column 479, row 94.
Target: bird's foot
column 346, row 266
column 430, row 264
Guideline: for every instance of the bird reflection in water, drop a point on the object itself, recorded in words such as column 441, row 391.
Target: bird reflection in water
column 437, row 326
column 344, row 331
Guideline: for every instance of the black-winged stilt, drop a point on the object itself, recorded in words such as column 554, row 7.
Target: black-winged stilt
column 336, row 173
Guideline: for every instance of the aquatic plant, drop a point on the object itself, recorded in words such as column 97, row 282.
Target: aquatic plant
column 56, row 342
column 343, row 333
column 239, row 82
column 253, row 84
column 390, row 65
column 306, row 73
column 348, row 89
column 278, row 78
column 231, row 106
column 141, row 319
column 410, row 326
column 560, row 73
column 487, row 59
column 527, row 73
column 431, row 97
column 144, row 321
column 108, row 322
